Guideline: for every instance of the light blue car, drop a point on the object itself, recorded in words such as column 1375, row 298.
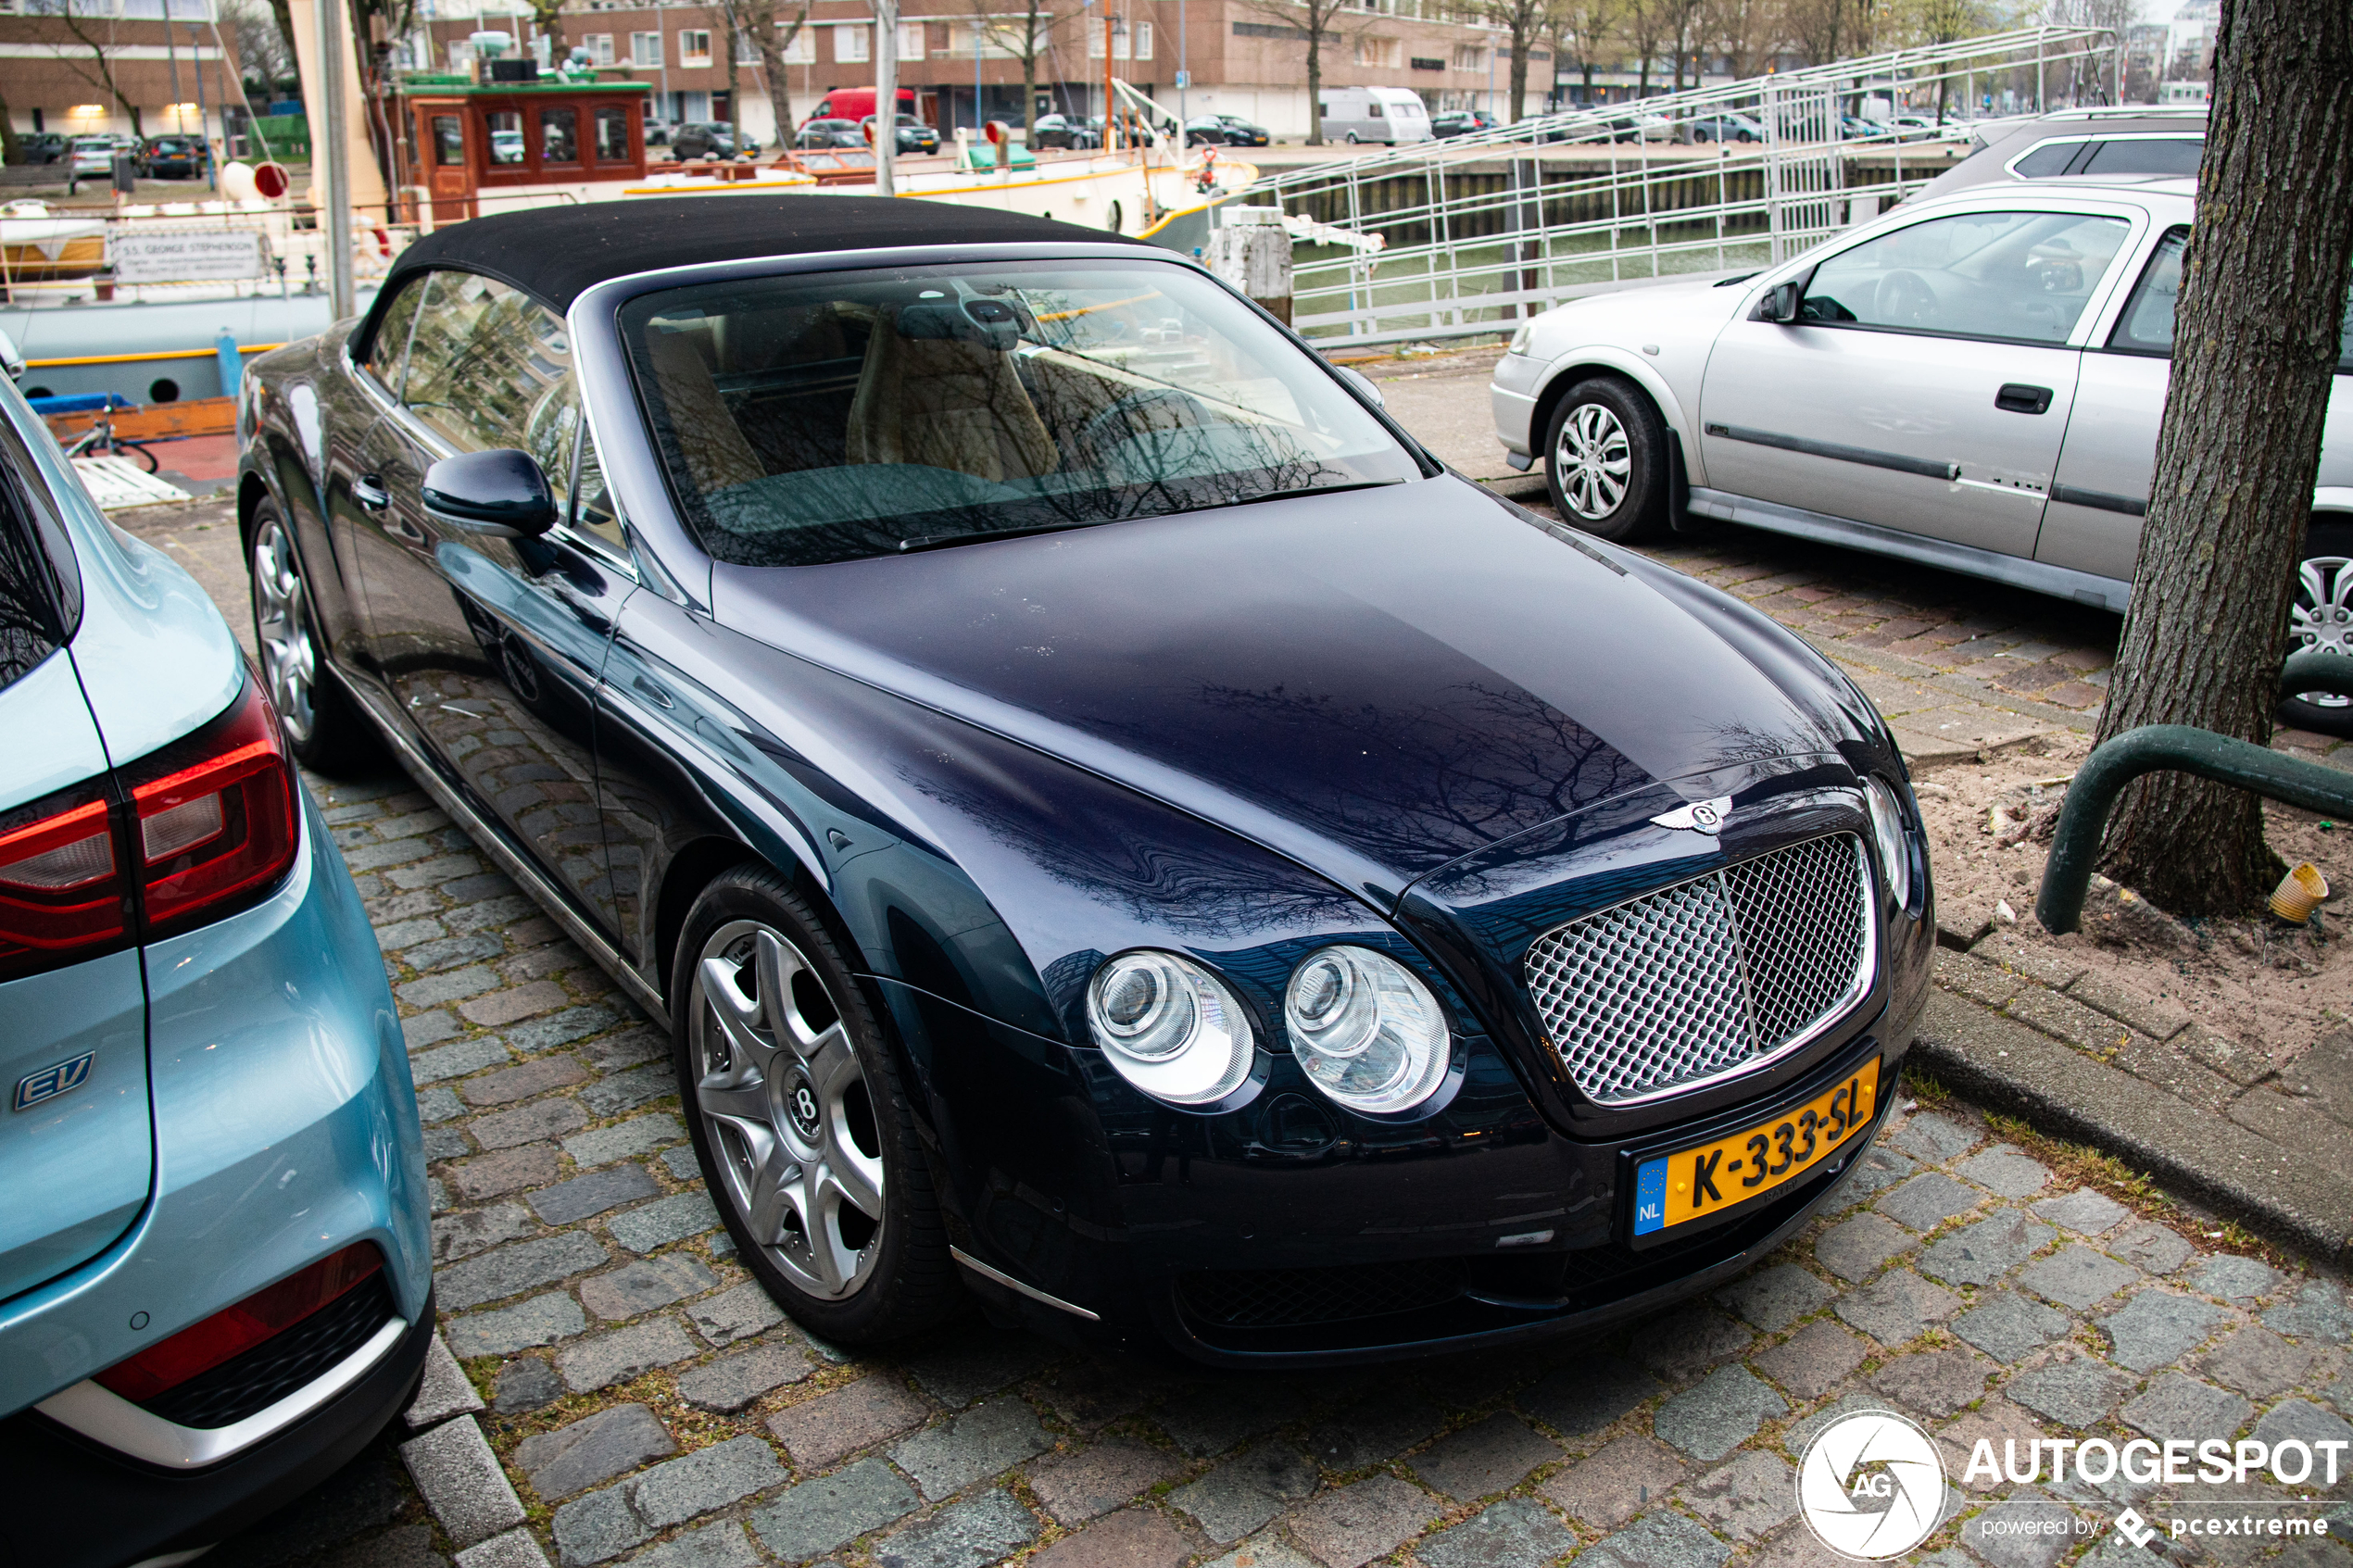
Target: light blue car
column 215, row 1262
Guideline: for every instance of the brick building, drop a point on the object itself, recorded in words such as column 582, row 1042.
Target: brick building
column 72, row 74
column 1244, row 56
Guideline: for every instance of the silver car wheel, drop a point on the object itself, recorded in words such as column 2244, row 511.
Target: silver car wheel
column 2323, row 616
column 1593, row 462
column 282, row 625
column 787, row 1106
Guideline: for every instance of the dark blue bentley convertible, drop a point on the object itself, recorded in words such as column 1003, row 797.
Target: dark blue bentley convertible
column 1109, row 823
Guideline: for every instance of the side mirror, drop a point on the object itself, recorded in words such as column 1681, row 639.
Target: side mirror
column 499, row 495
column 1363, row 384
column 1780, row 302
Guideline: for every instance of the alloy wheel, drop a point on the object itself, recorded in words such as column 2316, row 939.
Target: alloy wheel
column 282, row 626
column 2323, row 615
column 1593, row 462
column 790, row 1116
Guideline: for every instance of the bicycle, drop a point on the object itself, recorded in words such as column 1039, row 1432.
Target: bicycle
column 100, row 440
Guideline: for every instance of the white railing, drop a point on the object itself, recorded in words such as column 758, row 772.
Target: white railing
column 1478, row 232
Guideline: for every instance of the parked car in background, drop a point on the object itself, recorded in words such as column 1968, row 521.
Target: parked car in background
column 914, row 136
column 2080, row 143
column 2024, row 329
column 1462, row 123
column 1641, row 126
column 1374, row 114
column 1185, row 927
column 41, row 146
column 1064, row 133
column 829, row 133
column 93, row 158
column 1201, row 130
column 1241, row 132
column 215, row 1250
column 1726, row 127
column 704, row 139
column 176, row 158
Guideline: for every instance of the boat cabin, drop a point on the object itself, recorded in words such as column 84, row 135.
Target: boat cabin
column 473, row 142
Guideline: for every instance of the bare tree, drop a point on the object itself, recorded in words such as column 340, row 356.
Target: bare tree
column 249, row 27
column 98, row 71
column 1027, row 35
column 2256, row 339
column 1746, row 33
column 1825, row 31
column 1578, row 30
column 1316, row 23
column 1947, row 21
column 771, row 38
column 1523, row 21
column 1643, row 29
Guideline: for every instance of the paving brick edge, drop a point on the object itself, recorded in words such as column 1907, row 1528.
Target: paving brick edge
column 2061, row 1091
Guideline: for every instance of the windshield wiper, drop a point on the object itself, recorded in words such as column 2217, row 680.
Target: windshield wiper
column 941, row 540
column 1305, row 490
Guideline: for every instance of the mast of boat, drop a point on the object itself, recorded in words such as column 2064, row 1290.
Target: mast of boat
column 338, row 161
column 886, row 93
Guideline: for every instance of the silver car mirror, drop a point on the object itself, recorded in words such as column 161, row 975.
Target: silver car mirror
column 1363, row 384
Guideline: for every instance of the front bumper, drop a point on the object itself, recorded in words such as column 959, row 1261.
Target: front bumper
column 1052, row 1177
column 1512, row 398
column 285, row 1128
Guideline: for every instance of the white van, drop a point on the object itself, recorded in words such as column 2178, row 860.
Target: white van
column 1374, row 114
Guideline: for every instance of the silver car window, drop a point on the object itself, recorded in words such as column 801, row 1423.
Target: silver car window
column 2013, row 276
column 2146, row 325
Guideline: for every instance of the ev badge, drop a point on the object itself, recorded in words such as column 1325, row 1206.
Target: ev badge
column 1700, row 816
column 53, row 1080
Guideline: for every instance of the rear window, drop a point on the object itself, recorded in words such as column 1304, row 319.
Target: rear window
column 2147, row 326
column 2172, row 156
column 806, row 419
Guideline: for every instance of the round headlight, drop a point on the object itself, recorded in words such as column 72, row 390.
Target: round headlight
column 1366, row 1031
column 1894, row 854
column 1168, row 1027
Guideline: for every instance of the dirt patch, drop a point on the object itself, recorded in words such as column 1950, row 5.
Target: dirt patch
column 2271, row 987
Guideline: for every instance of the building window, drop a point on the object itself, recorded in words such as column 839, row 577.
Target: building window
column 910, row 41
column 1428, row 62
column 599, row 48
column 644, row 50
column 746, row 49
column 1379, row 53
column 694, row 47
column 1127, row 43
column 851, row 43
column 802, row 50
column 1469, row 57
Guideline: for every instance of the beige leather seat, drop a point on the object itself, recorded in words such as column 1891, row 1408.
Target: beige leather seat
column 945, row 403
column 717, row 455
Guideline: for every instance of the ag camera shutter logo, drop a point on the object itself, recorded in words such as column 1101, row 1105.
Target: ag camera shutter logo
column 1871, row 1485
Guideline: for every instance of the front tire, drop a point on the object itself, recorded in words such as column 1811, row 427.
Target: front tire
column 805, row 1137
column 323, row 727
column 1605, row 461
column 2323, row 616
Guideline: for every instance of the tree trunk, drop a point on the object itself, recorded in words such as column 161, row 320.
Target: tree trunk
column 1028, row 81
column 1316, row 76
column 9, row 152
column 778, row 71
column 735, row 94
column 1519, row 77
column 2256, row 341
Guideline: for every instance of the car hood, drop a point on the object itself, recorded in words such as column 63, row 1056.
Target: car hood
column 1375, row 682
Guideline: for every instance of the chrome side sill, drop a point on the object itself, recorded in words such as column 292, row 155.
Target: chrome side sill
column 105, row 1417
column 1000, row 1277
column 2039, row 577
column 492, row 842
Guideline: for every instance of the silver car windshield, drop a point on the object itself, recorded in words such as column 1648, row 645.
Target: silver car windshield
column 812, row 418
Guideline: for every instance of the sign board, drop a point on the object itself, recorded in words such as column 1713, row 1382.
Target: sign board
column 187, row 257
column 1184, row 80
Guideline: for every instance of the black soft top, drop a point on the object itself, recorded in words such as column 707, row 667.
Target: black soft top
column 554, row 253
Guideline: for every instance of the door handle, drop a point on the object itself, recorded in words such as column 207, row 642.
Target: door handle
column 370, row 492
column 2017, row 397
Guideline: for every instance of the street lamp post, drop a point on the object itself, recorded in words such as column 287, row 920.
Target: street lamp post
column 886, row 93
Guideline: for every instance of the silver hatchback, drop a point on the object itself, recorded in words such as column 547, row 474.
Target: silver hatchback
column 1973, row 382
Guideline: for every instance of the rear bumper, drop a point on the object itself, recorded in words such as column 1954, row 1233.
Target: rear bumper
column 100, row 1510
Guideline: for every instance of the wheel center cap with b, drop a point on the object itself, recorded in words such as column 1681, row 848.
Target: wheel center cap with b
column 800, row 1106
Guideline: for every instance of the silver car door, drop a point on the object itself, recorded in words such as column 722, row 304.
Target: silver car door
column 1927, row 382
column 2101, row 490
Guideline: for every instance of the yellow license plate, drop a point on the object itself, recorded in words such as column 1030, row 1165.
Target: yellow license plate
column 1691, row 1183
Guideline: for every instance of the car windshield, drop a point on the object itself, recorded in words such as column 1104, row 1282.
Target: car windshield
column 813, row 419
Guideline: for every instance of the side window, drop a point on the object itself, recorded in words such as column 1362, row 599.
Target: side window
column 2049, row 158
column 388, row 353
column 2175, row 155
column 489, row 368
column 593, row 510
column 2147, row 326
column 448, row 141
column 2014, row 276
column 28, row 618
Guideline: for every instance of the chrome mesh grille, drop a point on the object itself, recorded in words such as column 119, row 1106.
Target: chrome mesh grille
column 1697, row 979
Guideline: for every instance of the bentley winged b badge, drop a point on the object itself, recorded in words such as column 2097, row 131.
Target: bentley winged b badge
column 1700, row 816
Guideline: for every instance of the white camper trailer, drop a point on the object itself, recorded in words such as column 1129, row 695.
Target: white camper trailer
column 1374, row 114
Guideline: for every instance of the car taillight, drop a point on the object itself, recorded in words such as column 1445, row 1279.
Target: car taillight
column 62, row 895
column 234, row 1330
column 209, row 826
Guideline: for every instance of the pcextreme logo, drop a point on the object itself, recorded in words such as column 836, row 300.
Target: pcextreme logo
column 1871, row 1485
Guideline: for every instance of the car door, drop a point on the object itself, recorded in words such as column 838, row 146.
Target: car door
column 2101, row 490
column 492, row 646
column 1925, row 381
